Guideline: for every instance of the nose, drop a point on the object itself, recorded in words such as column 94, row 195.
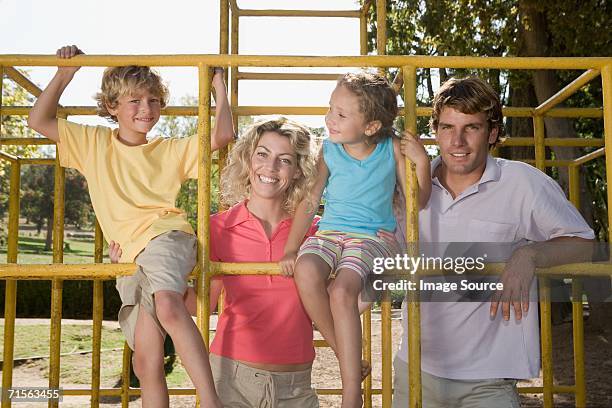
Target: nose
column 458, row 138
column 328, row 119
column 271, row 164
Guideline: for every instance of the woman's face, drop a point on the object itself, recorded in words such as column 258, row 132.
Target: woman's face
column 273, row 167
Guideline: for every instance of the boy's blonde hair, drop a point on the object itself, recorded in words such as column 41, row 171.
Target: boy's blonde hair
column 121, row 81
column 377, row 100
column 235, row 182
column 470, row 95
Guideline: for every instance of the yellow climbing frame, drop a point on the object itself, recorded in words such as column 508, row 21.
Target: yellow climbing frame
column 57, row 272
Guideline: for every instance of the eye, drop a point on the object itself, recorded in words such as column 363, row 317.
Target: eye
column 342, row 115
column 261, row 154
column 473, row 127
column 154, row 100
column 135, row 101
column 287, row 162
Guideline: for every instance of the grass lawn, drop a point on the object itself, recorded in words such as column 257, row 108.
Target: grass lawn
column 33, row 341
column 31, row 250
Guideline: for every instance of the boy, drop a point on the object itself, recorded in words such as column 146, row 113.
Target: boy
column 133, row 185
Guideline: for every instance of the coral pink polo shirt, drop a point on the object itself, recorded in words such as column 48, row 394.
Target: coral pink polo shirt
column 263, row 319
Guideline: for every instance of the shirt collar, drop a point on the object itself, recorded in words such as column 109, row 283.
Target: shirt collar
column 239, row 214
column 492, row 171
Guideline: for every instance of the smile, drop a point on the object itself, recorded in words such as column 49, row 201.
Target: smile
column 459, row 154
column 267, row 180
column 145, row 119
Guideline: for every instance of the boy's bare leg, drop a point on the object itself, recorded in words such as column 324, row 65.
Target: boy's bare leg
column 344, row 294
column 176, row 320
column 149, row 361
column 311, row 278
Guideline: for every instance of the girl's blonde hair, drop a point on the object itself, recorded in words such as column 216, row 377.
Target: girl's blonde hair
column 377, row 100
column 121, row 81
column 235, row 181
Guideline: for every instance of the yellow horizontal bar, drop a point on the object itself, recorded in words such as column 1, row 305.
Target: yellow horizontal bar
column 550, row 163
column 299, row 13
column 34, row 161
column 553, row 141
column 110, row 271
column 381, row 61
column 25, row 141
column 567, row 91
column 91, row 110
column 557, row 389
column 320, row 343
column 178, row 391
column 307, row 110
column 590, row 156
column 282, row 76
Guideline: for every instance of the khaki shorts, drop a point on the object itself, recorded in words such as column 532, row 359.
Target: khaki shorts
column 241, row 386
column 164, row 264
column 446, row 393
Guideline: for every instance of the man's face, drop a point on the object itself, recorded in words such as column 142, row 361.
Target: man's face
column 464, row 142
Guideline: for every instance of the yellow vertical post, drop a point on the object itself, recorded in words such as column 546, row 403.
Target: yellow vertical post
column 98, row 307
column 10, row 291
column 204, row 158
column 412, row 238
column 223, row 49
column 606, row 86
column 577, row 311
column 363, row 29
column 204, row 199
column 381, row 27
column 545, row 308
column 367, row 355
column 234, row 80
column 57, row 284
column 125, row 376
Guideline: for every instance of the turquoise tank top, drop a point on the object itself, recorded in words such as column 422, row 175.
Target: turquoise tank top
column 359, row 193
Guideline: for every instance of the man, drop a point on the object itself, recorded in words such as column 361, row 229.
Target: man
column 471, row 354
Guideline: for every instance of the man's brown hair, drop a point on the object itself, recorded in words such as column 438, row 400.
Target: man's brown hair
column 469, row 96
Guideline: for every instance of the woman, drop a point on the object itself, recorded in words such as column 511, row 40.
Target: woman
column 262, row 352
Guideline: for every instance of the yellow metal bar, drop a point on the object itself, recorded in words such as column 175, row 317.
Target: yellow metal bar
column 366, row 339
column 553, row 141
column 557, row 389
column 522, row 112
column 386, row 350
column 382, row 61
column 574, row 185
column 381, row 27
column 578, row 336
column 606, row 86
column 568, row 91
column 98, row 309
column 23, row 81
column 412, row 238
column 300, row 13
column 111, row 271
column 545, row 308
column 590, row 156
column 10, row 291
column 125, row 376
column 287, row 76
column 223, row 26
column 9, row 157
column 363, row 29
column 44, row 162
column 234, row 37
column 203, row 304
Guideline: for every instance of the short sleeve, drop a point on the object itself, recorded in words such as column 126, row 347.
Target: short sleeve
column 554, row 216
column 186, row 149
column 76, row 143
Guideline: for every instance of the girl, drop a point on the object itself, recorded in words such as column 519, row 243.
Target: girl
column 358, row 167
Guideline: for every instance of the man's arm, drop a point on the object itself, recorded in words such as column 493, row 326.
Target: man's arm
column 43, row 115
column 223, row 132
column 520, row 270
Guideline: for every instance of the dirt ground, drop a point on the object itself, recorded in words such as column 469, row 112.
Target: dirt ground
column 598, row 365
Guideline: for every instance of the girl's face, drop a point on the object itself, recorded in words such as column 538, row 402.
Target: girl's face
column 345, row 122
column 274, row 167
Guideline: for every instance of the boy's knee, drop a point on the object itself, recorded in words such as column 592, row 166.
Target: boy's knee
column 147, row 365
column 169, row 306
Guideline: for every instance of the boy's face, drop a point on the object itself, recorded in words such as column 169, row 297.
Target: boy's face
column 464, row 141
column 137, row 112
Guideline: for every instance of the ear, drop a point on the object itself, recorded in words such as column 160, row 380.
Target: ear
column 373, row 127
column 493, row 134
column 110, row 109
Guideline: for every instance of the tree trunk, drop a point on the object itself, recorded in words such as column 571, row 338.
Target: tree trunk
column 49, row 237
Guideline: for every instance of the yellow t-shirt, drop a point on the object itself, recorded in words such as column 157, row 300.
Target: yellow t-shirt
column 133, row 188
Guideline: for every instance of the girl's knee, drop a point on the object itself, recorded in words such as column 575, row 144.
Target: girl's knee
column 310, row 269
column 343, row 295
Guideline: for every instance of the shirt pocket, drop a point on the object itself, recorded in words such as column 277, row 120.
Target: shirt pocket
column 491, row 231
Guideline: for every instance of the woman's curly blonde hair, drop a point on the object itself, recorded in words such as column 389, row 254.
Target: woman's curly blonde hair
column 235, row 181
column 121, row 81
